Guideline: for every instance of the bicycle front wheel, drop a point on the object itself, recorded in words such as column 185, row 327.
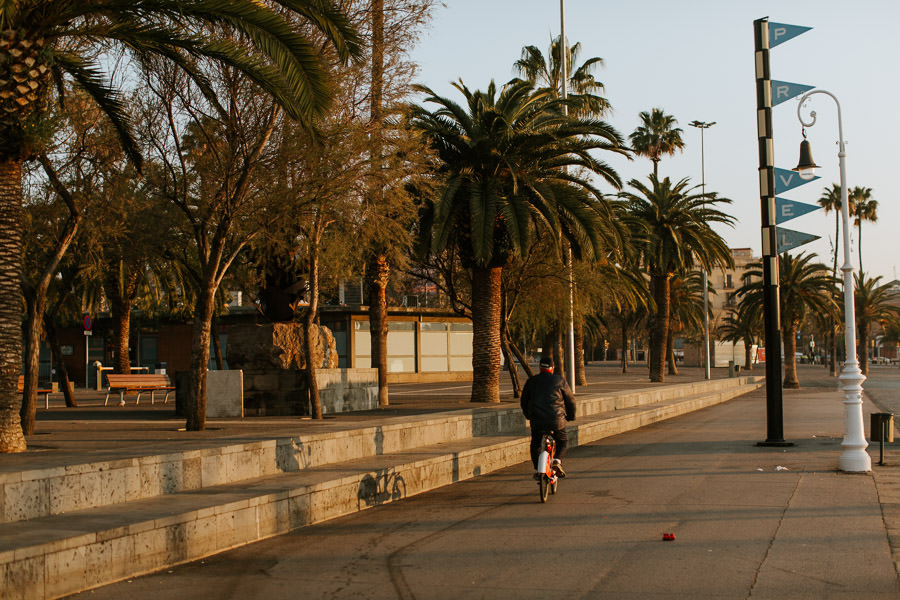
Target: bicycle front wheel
column 544, row 487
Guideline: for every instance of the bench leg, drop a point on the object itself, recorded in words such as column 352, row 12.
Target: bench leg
column 121, row 397
column 151, row 398
column 107, row 396
column 138, row 401
column 166, row 400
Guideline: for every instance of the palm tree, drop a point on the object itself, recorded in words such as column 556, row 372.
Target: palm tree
column 671, row 233
column 830, row 200
column 584, row 100
column 805, row 287
column 546, row 75
column 686, row 291
column 655, row 136
column 502, row 157
column 743, row 325
column 863, row 208
column 873, row 305
column 45, row 44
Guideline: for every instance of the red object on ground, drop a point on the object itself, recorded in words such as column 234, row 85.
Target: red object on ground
column 668, row 537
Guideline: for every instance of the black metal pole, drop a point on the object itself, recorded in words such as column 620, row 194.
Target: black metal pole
column 771, row 311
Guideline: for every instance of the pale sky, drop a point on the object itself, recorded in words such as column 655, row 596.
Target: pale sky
column 694, row 59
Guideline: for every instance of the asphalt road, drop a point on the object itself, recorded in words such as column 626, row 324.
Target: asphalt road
column 750, row 522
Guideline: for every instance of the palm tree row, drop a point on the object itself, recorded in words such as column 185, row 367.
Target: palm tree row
column 512, row 171
column 806, row 287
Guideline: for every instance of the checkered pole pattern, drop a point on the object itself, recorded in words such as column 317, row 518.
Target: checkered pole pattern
column 774, row 405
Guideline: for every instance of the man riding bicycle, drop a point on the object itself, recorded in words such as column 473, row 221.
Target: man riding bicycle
column 547, row 402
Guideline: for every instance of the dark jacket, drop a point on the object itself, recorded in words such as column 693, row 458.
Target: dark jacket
column 547, row 401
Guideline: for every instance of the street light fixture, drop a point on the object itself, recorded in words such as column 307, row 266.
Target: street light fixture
column 854, row 458
column 702, row 126
column 806, row 166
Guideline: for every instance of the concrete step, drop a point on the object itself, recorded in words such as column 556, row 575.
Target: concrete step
column 100, row 481
column 51, row 556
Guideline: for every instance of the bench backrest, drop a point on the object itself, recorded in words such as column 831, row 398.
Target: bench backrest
column 137, row 379
column 22, row 386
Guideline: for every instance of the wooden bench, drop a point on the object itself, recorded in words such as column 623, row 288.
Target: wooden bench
column 140, row 383
column 40, row 391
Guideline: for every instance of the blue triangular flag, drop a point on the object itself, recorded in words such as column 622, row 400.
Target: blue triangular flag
column 782, row 32
column 785, row 180
column 785, row 90
column 788, row 239
column 785, row 209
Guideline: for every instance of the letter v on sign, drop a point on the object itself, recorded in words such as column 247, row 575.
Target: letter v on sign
column 785, row 180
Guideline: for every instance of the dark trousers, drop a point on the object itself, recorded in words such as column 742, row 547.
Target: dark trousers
column 537, row 433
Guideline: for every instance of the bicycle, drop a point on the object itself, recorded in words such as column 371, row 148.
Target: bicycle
column 548, row 480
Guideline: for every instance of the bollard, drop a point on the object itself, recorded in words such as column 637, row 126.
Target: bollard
column 881, row 429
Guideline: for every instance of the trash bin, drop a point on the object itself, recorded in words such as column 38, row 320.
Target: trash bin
column 881, row 427
column 733, row 369
column 160, row 368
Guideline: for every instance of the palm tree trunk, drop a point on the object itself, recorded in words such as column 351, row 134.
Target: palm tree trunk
column 624, row 347
column 486, row 334
column 834, row 328
column 837, row 223
column 789, row 337
column 559, row 353
column 670, row 352
column 659, row 328
column 834, row 350
column 378, row 275
column 862, row 350
column 11, row 436
column 859, row 242
column 120, row 286
column 121, row 315
column 580, row 375
column 748, row 354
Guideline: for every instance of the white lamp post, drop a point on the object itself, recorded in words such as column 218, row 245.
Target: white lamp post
column 570, row 326
column 854, row 458
column 703, row 126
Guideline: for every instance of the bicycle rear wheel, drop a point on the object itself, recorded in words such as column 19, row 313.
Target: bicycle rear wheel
column 553, row 486
column 544, row 487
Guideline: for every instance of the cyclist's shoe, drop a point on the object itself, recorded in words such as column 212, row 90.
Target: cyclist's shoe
column 557, row 466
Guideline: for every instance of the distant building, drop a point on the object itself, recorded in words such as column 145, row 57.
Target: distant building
column 725, row 283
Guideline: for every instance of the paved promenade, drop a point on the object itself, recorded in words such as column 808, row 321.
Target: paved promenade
column 823, row 534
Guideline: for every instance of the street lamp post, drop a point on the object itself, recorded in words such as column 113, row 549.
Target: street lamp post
column 570, row 325
column 702, row 126
column 854, row 458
